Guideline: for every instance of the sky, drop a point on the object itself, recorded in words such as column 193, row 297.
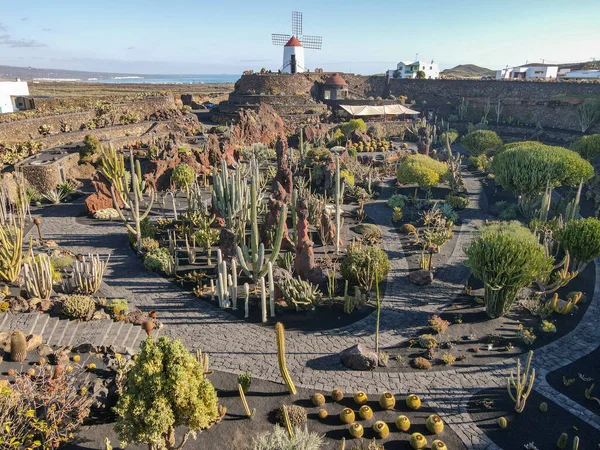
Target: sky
column 229, row 36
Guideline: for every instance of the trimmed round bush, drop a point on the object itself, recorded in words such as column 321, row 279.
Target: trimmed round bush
column 183, row 175
column 588, row 146
column 525, row 169
column 397, row 201
column 363, row 265
column 581, row 238
column 507, row 257
column 421, row 170
column 480, row 142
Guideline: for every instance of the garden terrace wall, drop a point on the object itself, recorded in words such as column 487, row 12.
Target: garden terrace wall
column 45, row 171
column 24, row 130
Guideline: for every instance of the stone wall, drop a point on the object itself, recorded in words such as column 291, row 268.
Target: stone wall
column 45, row 177
column 534, row 104
column 28, row 129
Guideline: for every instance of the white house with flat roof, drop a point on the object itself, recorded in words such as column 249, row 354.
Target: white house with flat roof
column 409, row 69
column 11, row 95
column 582, row 75
column 528, row 72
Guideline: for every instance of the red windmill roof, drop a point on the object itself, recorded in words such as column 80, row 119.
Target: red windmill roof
column 336, row 80
column 293, row 42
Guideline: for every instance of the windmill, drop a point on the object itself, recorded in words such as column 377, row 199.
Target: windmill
column 294, row 45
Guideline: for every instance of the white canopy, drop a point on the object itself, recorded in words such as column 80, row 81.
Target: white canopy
column 388, row 110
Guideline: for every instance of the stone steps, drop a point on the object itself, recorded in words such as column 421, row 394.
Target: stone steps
column 62, row 332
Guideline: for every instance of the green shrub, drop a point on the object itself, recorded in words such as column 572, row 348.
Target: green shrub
column 588, row 146
column 506, row 210
column 92, row 144
column 347, row 176
column 451, row 135
column 61, row 261
column 157, row 260
column 525, row 169
column 457, row 202
column 183, row 176
column 147, row 230
column 149, row 244
column 481, row 163
column 117, row 307
column 481, row 142
column 166, row 389
column 421, row 170
column 78, row 307
column 317, row 155
column 259, row 151
column 363, row 264
column 353, row 125
column 506, row 257
column 397, row 201
column 447, row 211
column 368, row 231
column 581, row 238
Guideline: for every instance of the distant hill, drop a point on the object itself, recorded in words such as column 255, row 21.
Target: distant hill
column 29, row 73
column 468, row 71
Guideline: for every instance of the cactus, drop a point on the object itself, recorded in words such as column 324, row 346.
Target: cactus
column 300, row 293
column 222, row 285
column 381, row 429
column 454, row 168
column 294, row 215
column 365, row 412
column 202, row 358
column 564, row 307
column 575, row 443
column 191, row 250
column 263, row 299
column 234, row 284
column 417, row 441
column 343, row 444
column 403, row 423
column 413, row 401
column 352, row 302
column 135, row 199
column 322, row 414
column 347, row 416
column 286, row 420
column 112, row 166
column 18, row 347
column 38, row 277
column 78, row 307
column 572, row 208
column 280, row 333
column 246, row 300
column 271, row 288
column 301, row 146
column 337, row 395
column 87, row 275
column 356, row 430
column 438, row 445
column 252, row 260
column 318, row 399
column 231, row 197
column 245, row 403
column 434, row 424
column 521, row 384
column 360, row 398
column 11, row 250
column 339, row 198
column 387, row 400
column 502, row 422
column 562, row 441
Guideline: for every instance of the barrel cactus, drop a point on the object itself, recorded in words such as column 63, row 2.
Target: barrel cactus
column 403, row 423
column 356, row 430
column 318, row 399
column 381, row 429
column 337, row 395
column 18, row 347
column 418, row 441
column 360, row 398
column 78, row 307
column 413, row 401
column 435, row 424
column 347, row 416
column 365, row 412
column 438, row 445
column 387, row 400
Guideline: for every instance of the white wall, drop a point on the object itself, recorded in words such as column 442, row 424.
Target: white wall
column 287, row 58
column 8, row 89
column 405, row 69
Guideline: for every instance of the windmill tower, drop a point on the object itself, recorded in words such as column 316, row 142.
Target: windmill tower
column 294, row 45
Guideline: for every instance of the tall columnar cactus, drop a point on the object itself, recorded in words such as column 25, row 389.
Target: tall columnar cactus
column 38, row 277
column 454, row 168
column 87, row 275
column 136, row 198
column 11, row 250
column 339, row 199
column 234, row 284
column 280, row 332
column 112, row 166
column 18, row 347
column 245, row 402
column 263, row 299
column 294, row 215
column 222, row 285
column 572, row 208
column 246, row 300
column 252, row 260
column 271, row 289
column 231, row 198
column 301, row 146
column 522, row 384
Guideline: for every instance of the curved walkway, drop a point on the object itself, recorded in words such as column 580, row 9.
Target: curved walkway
column 237, row 346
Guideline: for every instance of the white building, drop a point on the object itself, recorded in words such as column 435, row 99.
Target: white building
column 581, row 75
column 11, row 95
column 527, row 72
column 409, row 69
column 293, row 57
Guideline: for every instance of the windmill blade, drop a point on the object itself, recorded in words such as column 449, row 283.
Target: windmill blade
column 297, row 23
column 280, row 39
column 313, row 42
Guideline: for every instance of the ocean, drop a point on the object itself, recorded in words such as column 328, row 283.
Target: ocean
column 169, row 79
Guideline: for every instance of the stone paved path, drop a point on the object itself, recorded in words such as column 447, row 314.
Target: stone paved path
column 237, row 346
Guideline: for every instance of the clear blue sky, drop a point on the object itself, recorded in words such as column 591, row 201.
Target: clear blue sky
column 228, row 36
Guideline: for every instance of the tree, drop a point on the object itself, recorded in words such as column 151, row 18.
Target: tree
column 507, row 257
column 165, row 389
column 421, row 75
